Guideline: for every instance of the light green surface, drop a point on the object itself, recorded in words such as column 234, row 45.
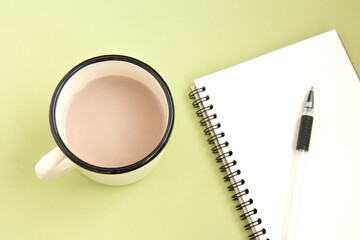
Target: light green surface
column 184, row 198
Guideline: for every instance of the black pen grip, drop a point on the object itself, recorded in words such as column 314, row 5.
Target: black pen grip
column 304, row 135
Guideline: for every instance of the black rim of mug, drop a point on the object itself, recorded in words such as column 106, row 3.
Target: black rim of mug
column 117, row 170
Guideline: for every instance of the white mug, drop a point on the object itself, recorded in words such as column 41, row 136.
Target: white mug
column 61, row 160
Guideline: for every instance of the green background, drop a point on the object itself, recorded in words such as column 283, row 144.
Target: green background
column 184, row 197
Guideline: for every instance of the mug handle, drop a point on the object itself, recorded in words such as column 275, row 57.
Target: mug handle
column 53, row 165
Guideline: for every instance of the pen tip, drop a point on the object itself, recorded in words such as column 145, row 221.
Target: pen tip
column 310, row 99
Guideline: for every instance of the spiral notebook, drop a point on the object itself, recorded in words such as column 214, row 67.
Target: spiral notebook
column 251, row 113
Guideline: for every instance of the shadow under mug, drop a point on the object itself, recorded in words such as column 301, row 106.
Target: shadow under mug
column 61, row 160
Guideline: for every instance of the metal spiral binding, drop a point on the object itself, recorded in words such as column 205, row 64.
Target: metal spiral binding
column 248, row 214
column 252, row 224
column 220, row 146
column 244, row 204
column 200, row 100
column 238, row 195
column 196, row 91
column 219, row 149
column 236, row 184
column 211, row 140
column 257, row 234
column 204, row 121
column 201, row 111
column 223, row 156
column 208, row 130
column 226, row 166
column 232, row 175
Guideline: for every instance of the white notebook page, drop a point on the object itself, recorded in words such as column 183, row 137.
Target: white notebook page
column 259, row 105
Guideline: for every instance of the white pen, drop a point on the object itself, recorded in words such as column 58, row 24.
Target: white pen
column 297, row 169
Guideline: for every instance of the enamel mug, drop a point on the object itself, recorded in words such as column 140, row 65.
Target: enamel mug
column 61, row 160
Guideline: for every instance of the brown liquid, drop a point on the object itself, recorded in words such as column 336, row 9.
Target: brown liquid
column 113, row 121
